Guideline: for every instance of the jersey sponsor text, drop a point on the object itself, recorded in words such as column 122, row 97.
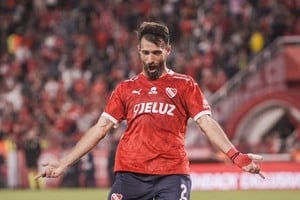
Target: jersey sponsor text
column 154, row 107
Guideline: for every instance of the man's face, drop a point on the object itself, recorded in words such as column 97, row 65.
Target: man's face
column 153, row 58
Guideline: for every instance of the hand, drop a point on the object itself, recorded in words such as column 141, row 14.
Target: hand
column 252, row 167
column 51, row 169
column 246, row 161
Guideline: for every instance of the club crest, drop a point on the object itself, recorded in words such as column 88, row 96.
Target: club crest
column 171, row 92
column 116, row 196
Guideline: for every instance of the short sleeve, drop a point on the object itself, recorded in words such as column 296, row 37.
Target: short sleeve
column 195, row 101
column 115, row 108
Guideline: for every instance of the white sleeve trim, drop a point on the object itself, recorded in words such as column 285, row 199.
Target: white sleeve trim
column 111, row 118
column 200, row 114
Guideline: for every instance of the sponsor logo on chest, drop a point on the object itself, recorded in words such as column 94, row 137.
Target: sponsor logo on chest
column 155, row 108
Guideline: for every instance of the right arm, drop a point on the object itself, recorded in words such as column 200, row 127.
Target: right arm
column 89, row 140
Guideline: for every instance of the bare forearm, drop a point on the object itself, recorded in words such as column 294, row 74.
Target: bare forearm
column 215, row 133
column 55, row 168
column 88, row 141
column 84, row 145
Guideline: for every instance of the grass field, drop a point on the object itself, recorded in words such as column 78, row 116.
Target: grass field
column 97, row 194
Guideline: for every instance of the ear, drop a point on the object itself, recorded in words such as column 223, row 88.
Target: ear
column 168, row 49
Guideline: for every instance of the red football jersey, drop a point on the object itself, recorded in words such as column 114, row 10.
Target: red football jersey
column 156, row 112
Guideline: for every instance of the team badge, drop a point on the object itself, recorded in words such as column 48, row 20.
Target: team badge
column 116, row 196
column 171, row 92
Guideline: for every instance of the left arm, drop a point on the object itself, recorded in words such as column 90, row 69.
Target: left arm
column 214, row 133
column 217, row 136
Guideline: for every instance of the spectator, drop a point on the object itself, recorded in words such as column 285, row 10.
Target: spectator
column 53, row 53
column 32, row 150
column 88, row 170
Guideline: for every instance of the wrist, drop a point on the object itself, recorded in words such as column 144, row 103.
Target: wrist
column 63, row 163
column 232, row 153
column 238, row 158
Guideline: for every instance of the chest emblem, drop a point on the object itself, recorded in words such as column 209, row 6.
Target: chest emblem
column 153, row 90
column 171, row 92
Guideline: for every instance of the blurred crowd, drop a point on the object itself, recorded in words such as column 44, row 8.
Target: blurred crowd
column 60, row 60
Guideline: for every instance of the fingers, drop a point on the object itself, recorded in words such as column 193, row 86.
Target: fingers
column 254, row 169
column 52, row 162
column 50, row 169
column 254, row 156
column 49, row 173
column 258, row 172
column 261, row 175
column 45, row 164
column 42, row 174
column 39, row 176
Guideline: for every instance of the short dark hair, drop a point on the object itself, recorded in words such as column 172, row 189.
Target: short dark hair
column 154, row 32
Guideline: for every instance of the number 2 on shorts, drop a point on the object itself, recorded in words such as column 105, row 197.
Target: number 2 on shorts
column 183, row 192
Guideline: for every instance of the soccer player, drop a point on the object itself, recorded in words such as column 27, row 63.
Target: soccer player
column 151, row 161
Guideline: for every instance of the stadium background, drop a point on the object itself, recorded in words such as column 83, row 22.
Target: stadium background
column 60, row 60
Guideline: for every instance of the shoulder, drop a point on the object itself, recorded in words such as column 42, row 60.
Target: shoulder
column 183, row 78
column 131, row 81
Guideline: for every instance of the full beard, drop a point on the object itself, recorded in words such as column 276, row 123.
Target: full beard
column 154, row 71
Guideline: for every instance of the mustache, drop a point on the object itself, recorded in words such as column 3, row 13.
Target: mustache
column 152, row 65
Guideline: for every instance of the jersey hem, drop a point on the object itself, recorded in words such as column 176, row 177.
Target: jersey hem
column 153, row 173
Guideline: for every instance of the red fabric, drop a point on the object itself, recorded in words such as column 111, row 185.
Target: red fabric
column 232, row 152
column 156, row 114
column 238, row 158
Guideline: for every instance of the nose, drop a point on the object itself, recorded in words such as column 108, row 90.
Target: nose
column 150, row 58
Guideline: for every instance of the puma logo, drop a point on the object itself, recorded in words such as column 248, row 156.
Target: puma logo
column 138, row 92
